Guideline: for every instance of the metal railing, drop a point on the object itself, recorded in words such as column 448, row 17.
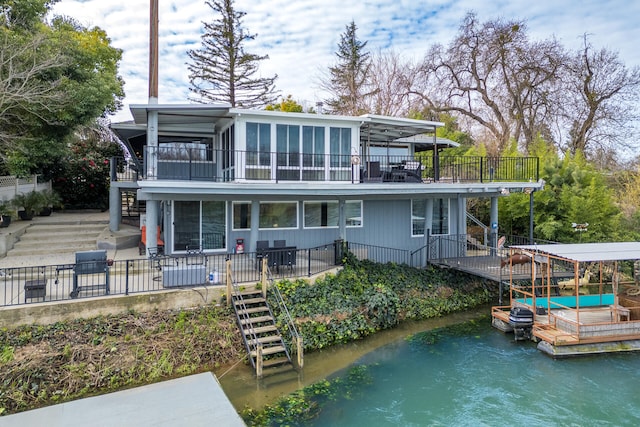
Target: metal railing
column 205, row 164
column 51, row 283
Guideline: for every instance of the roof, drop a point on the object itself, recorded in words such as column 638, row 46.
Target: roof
column 205, row 118
column 589, row 252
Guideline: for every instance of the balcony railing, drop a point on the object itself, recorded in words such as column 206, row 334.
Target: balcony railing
column 204, row 164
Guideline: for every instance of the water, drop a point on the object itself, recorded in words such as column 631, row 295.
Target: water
column 483, row 378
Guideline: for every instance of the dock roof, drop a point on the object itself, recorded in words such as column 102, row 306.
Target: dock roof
column 588, row 252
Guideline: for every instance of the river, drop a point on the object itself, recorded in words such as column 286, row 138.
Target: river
column 479, row 377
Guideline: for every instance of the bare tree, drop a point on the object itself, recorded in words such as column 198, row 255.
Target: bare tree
column 221, row 70
column 601, row 101
column 391, row 78
column 493, row 76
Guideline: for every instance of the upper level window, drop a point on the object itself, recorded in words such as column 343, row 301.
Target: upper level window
column 258, row 144
column 340, row 147
column 288, row 145
column 313, row 146
column 440, row 221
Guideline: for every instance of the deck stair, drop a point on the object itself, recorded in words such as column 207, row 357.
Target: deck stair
column 553, row 335
column 259, row 330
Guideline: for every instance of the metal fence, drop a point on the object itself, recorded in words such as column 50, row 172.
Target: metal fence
column 205, row 164
column 24, row 285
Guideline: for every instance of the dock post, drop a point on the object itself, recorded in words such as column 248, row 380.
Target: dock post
column 299, row 350
column 259, row 362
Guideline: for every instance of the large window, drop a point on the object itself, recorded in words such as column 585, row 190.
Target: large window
column 199, row 225
column 440, row 221
column 288, row 145
column 313, row 146
column 278, row 215
column 258, row 144
column 327, row 214
column 241, row 215
column 340, row 146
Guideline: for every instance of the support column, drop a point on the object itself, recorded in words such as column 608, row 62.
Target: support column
column 428, row 223
column 255, row 225
column 115, row 208
column 152, row 226
column 342, row 220
column 494, row 226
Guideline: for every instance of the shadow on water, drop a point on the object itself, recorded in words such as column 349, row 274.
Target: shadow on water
column 245, row 390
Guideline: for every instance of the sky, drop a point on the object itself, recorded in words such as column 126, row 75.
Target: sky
column 301, row 36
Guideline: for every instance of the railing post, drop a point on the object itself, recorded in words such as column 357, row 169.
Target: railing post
column 309, row 262
column 228, row 280
column 263, row 277
column 299, row 350
column 259, row 362
column 126, row 278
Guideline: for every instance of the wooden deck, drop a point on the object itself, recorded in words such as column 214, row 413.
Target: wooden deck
column 566, row 327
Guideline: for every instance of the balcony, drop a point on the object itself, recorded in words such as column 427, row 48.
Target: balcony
column 204, row 164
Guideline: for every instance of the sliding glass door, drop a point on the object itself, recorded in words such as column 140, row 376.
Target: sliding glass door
column 199, row 225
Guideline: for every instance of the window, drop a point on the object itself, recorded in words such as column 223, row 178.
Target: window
column 278, row 215
column 340, row 146
column 199, row 225
column 353, row 213
column 258, row 144
column 440, row 221
column 288, row 145
column 241, row 215
column 327, row 214
column 313, row 146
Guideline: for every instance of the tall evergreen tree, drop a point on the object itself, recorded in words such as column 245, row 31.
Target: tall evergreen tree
column 221, row 70
column 348, row 80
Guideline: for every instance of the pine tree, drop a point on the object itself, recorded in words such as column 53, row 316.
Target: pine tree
column 349, row 78
column 221, row 71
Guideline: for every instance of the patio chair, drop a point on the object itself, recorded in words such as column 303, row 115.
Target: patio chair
column 262, row 246
column 142, row 246
column 279, row 243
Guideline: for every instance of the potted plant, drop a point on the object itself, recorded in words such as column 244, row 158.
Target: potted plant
column 50, row 201
column 28, row 204
column 6, row 210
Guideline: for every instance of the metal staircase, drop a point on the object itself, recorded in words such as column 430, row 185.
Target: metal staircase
column 262, row 337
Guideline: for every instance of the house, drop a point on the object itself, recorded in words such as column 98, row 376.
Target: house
column 220, row 179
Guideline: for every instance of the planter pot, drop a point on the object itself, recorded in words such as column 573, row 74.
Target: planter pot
column 45, row 211
column 25, row 216
column 5, row 221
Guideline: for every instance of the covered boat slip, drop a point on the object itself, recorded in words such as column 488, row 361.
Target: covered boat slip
column 597, row 310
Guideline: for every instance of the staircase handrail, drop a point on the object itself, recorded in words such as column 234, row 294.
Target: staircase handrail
column 291, row 327
column 479, row 223
column 243, row 306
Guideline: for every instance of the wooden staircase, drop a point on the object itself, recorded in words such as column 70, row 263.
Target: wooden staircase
column 262, row 339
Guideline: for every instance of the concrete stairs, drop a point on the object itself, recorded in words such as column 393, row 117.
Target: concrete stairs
column 58, row 237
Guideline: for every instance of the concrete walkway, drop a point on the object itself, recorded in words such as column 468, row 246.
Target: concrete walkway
column 196, row 400
column 121, row 245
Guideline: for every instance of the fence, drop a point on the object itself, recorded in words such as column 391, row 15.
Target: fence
column 23, row 285
column 204, row 164
column 12, row 185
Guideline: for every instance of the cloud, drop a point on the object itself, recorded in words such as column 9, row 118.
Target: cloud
column 301, row 36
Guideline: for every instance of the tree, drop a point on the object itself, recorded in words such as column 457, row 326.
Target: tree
column 601, row 100
column 495, row 78
column 575, row 192
column 53, row 78
column 349, row 78
column 388, row 86
column 221, row 70
column 287, row 104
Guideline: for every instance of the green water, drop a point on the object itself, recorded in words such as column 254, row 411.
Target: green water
column 481, row 377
